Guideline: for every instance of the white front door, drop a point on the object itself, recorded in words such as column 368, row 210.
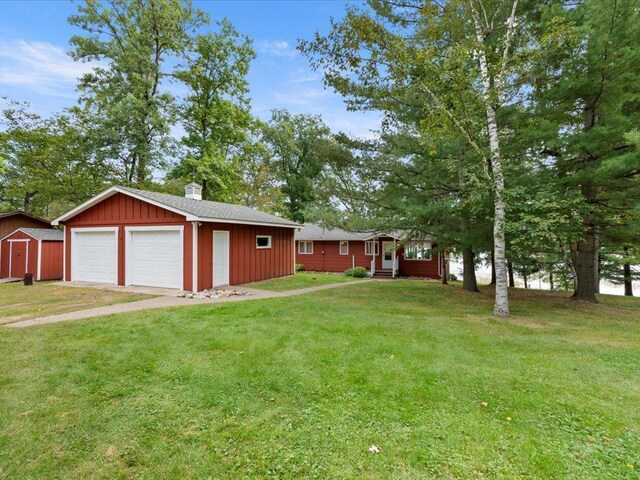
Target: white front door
column 94, row 255
column 388, row 254
column 220, row 258
column 154, row 257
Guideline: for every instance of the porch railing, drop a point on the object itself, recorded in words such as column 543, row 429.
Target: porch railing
column 373, row 266
column 396, row 266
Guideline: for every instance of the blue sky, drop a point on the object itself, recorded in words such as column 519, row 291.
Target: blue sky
column 34, row 67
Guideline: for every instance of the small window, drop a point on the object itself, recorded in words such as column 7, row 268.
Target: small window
column 263, row 241
column 305, row 247
column 371, row 248
column 417, row 251
column 344, row 247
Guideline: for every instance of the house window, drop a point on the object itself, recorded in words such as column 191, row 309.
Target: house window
column 263, row 241
column 371, row 247
column 417, row 251
column 305, row 247
column 344, row 247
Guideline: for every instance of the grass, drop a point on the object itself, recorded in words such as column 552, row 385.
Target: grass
column 301, row 280
column 301, row 387
column 18, row 302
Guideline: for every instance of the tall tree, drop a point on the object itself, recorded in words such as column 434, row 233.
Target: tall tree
column 300, row 146
column 588, row 86
column 215, row 113
column 134, row 43
column 456, row 58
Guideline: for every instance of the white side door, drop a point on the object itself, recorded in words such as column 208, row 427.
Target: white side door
column 220, row 258
column 94, row 255
column 154, row 257
column 388, row 254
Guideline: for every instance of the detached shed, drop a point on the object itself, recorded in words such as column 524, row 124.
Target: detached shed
column 32, row 250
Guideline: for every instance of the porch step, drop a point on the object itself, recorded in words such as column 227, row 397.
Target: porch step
column 383, row 273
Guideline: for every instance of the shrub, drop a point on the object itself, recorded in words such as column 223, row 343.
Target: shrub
column 453, row 277
column 299, row 267
column 358, row 272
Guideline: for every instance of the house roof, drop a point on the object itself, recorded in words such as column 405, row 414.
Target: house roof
column 311, row 231
column 193, row 210
column 45, row 234
column 24, row 214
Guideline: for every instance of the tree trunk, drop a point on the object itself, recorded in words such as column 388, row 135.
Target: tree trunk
column 550, row 279
column 493, row 268
column 443, row 269
column 526, row 280
column 628, row 277
column 586, row 266
column 469, row 281
column 512, row 279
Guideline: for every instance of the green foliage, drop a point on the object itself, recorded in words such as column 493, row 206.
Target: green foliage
column 357, row 272
column 126, row 95
column 215, row 112
column 299, row 267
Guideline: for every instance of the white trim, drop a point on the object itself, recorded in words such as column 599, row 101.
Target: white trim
column 194, row 257
column 376, row 248
column 293, row 254
column 378, row 235
column 16, row 231
column 418, row 259
column 39, row 273
column 340, row 242
column 307, row 252
column 76, row 230
column 64, row 253
column 26, row 260
column 189, row 217
column 213, row 258
column 268, row 245
column 393, row 256
column 127, row 244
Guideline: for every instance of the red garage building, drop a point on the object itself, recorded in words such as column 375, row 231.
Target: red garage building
column 32, row 250
column 125, row 236
column 387, row 255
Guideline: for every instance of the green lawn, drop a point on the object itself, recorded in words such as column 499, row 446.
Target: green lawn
column 18, row 302
column 301, row 280
column 301, row 387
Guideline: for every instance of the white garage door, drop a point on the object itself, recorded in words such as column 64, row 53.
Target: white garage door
column 94, row 256
column 154, row 258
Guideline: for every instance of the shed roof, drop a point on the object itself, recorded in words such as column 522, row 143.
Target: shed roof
column 193, row 210
column 44, row 234
column 21, row 213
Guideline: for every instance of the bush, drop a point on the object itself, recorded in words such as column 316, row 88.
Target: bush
column 358, row 272
column 299, row 267
column 453, row 277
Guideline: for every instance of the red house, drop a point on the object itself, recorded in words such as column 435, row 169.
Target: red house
column 125, row 236
column 385, row 255
column 32, row 250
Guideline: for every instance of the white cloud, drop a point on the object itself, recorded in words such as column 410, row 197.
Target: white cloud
column 42, row 67
column 277, row 48
column 299, row 97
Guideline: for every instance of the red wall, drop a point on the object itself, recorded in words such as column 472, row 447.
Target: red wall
column 326, row 257
column 51, row 266
column 246, row 262
column 32, row 262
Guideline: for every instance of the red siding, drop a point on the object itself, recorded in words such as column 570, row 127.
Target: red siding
column 123, row 211
column 246, row 262
column 51, row 263
column 326, row 257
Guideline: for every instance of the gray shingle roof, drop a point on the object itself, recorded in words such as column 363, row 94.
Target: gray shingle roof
column 212, row 210
column 311, row 231
column 45, row 234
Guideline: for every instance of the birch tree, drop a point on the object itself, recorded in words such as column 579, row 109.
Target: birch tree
column 436, row 64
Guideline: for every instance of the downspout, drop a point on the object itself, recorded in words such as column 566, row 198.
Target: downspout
column 194, row 257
